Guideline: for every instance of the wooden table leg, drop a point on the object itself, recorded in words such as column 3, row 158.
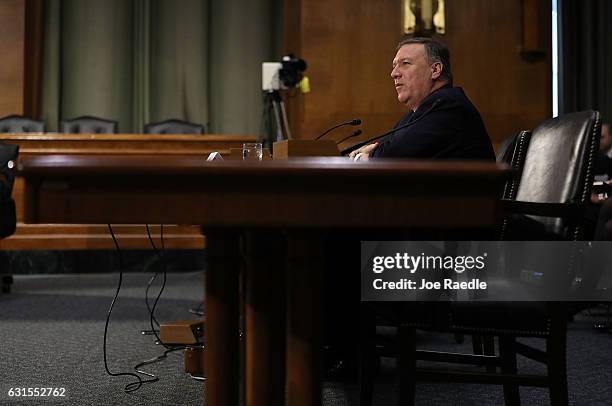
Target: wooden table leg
column 221, row 330
column 265, row 319
column 305, row 313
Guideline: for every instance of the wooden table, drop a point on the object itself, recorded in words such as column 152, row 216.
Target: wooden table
column 247, row 207
column 93, row 236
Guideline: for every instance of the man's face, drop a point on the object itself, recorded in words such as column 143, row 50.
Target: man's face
column 412, row 74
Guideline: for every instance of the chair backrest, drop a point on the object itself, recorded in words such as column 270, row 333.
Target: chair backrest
column 89, row 125
column 558, row 164
column 512, row 152
column 173, row 126
column 20, row 124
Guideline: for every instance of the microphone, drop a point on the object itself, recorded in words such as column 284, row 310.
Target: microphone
column 354, row 134
column 354, row 121
column 352, row 148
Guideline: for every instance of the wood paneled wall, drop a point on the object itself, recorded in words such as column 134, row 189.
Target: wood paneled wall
column 510, row 85
column 12, row 49
column 349, row 46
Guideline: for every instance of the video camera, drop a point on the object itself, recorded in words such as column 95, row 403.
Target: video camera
column 282, row 75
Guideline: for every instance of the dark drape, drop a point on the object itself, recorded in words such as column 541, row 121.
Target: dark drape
column 140, row 61
column 586, row 56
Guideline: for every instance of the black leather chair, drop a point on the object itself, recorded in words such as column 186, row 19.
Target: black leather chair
column 89, row 125
column 20, row 124
column 550, row 194
column 173, row 126
column 510, row 152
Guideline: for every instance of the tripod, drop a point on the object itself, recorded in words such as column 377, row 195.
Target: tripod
column 275, row 107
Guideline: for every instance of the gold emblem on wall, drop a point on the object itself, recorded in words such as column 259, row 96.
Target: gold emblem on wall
column 423, row 17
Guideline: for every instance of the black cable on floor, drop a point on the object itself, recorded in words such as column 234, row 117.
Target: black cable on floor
column 149, row 284
column 132, row 386
column 162, row 258
column 154, row 378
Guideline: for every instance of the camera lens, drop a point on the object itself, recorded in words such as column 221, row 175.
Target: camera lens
column 292, row 72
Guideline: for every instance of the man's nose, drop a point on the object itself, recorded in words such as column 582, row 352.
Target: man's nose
column 394, row 73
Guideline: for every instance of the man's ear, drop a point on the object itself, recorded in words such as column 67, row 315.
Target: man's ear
column 436, row 70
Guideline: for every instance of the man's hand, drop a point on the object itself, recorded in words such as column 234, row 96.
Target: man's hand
column 364, row 151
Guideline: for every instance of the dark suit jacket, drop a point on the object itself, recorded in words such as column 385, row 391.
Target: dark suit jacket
column 446, row 126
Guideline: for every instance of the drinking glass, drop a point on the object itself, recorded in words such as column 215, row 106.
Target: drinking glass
column 252, row 151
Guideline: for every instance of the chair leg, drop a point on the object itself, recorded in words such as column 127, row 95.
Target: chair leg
column 488, row 348
column 407, row 365
column 557, row 367
column 484, row 345
column 477, row 344
column 367, row 356
column 6, row 281
column 507, row 351
column 488, row 344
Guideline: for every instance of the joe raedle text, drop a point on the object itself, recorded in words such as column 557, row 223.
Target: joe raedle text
column 424, row 284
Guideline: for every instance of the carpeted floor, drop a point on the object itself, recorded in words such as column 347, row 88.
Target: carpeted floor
column 52, row 330
column 51, row 336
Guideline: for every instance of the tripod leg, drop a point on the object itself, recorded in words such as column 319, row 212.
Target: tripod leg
column 285, row 120
column 276, row 105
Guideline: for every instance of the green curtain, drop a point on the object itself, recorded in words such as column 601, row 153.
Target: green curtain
column 139, row 61
column 244, row 33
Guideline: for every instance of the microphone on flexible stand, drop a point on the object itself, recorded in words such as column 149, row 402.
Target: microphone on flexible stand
column 354, row 134
column 353, row 122
column 352, row 148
